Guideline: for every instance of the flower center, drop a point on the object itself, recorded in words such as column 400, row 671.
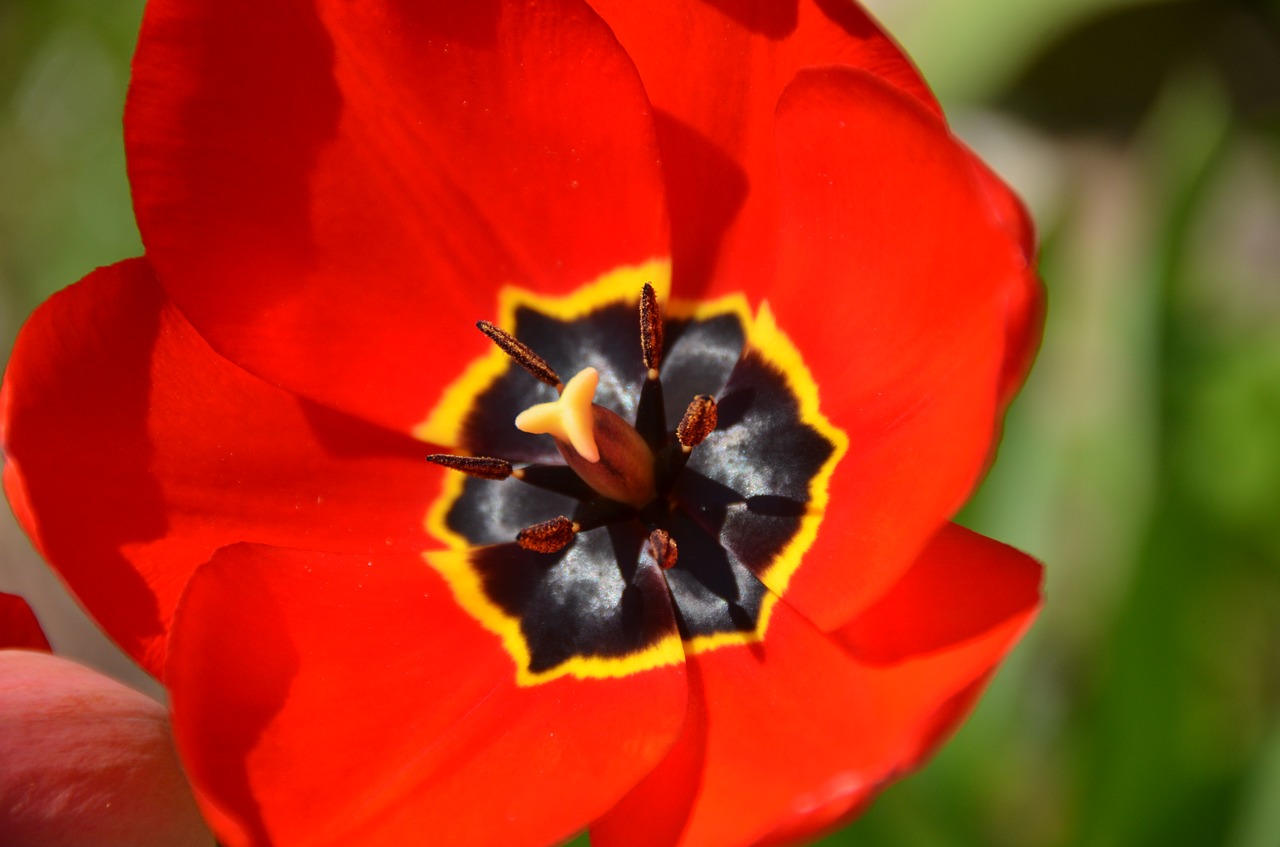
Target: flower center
column 605, row 451
column 655, row 503
column 635, row 472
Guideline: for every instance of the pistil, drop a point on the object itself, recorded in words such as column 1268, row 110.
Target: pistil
column 601, row 447
column 567, row 419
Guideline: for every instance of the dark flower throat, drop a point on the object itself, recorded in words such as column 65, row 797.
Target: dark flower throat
column 703, row 475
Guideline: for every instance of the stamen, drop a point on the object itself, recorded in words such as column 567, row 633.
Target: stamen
column 549, row 536
column 651, row 330
column 698, row 422
column 570, row 417
column 522, row 354
column 663, row 548
column 483, row 467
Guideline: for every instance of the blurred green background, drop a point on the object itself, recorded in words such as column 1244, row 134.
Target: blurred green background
column 1141, row 464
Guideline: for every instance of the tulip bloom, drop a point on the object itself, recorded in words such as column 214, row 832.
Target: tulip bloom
column 759, row 314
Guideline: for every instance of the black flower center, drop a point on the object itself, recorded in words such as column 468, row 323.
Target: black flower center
column 732, row 470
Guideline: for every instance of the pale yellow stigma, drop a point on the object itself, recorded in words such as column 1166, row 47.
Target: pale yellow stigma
column 569, row 418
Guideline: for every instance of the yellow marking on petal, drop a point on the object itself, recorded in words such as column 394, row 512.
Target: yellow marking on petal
column 568, row 417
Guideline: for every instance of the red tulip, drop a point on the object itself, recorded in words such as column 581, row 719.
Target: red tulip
column 733, row 633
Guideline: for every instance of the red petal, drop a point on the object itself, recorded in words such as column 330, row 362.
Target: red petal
column 87, row 761
column 334, row 192
column 327, row 699
column 960, row 587
column 788, row 738
column 134, row 451
column 1026, row 306
column 898, row 285
column 19, row 627
column 714, row 71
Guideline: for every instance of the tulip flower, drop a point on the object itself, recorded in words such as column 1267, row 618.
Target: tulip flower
column 680, row 568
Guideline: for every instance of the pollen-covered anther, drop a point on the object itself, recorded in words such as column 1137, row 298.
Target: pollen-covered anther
column 663, row 549
column 522, row 354
column 549, row 536
column 484, row 467
column 651, row 330
column 698, row 422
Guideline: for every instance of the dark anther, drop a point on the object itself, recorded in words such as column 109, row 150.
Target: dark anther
column 663, row 548
column 522, row 354
column 698, row 422
column 481, row 466
column 549, row 536
column 650, row 330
